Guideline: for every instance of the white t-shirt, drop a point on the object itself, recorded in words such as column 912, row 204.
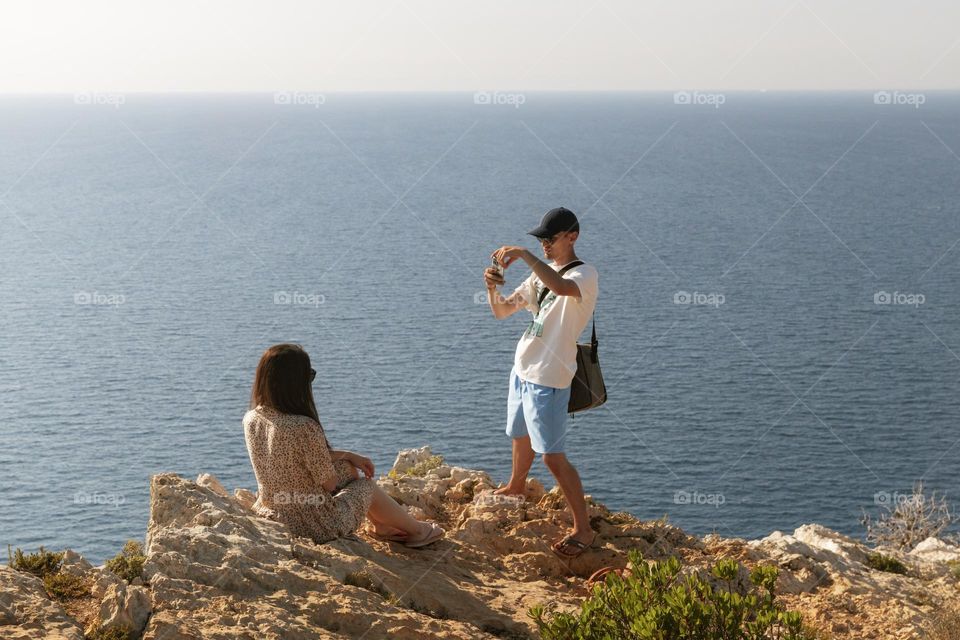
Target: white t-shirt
column 547, row 351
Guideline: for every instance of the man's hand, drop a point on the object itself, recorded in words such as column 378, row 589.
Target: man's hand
column 492, row 278
column 507, row 255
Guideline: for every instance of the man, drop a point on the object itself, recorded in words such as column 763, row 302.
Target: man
column 546, row 360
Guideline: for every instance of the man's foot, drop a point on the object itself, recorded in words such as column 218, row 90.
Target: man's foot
column 509, row 490
column 573, row 545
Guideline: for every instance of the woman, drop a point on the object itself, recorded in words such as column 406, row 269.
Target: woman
column 301, row 481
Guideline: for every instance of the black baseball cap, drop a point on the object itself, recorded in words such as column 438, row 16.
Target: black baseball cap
column 556, row 221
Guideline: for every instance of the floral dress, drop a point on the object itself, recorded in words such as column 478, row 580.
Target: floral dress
column 291, row 460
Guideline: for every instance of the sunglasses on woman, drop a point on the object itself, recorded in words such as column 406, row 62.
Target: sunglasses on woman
column 313, row 374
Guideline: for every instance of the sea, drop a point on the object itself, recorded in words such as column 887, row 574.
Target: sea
column 777, row 320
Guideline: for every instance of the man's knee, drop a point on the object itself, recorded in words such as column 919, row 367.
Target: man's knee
column 555, row 461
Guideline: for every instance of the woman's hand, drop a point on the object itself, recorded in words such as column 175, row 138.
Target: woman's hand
column 362, row 463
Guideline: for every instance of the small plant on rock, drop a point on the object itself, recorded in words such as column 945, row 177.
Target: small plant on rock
column 65, row 586
column 906, row 523
column 40, row 564
column 128, row 564
column 657, row 601
column 889, row 564
column 46, row 566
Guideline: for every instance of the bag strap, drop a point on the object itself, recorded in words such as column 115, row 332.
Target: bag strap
column 593, row 340
column 593, row 337
column 546, row 290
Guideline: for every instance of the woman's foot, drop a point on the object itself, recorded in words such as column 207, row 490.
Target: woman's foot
column 384, row 532
column 429, row 533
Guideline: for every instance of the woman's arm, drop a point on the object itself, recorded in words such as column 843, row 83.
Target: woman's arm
column 357, row 460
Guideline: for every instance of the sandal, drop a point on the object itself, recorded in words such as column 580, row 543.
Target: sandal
column 400, row 536
column 600, row 575
column 436, row 532
column 570, row 541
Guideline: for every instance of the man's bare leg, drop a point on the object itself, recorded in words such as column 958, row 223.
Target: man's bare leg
column 522, row 461
column 569, row 481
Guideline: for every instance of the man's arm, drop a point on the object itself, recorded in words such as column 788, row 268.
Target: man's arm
column 500, row 305
column 504, row 307
column 550, row 278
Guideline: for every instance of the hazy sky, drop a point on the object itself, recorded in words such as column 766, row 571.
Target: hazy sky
column 275, row 45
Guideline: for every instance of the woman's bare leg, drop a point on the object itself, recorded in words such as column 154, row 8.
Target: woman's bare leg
column 385, row 512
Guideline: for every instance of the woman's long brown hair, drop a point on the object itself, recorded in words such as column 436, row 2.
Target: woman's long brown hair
column 282, row 381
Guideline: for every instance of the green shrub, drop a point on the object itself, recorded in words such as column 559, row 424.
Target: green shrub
column 128, row 564
column 954, row 567
column 889, row 564
column 64, row 586
column 40, row 564
column 657, row 602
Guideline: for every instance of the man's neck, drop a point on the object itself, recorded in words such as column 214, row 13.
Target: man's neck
column 564, row 260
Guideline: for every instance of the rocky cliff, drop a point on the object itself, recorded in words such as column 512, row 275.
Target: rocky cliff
column 214, row 570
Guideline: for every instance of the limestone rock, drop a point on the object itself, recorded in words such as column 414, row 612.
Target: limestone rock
column 408, row 458
column 27, row 612
column 936, row 550
column 125, row 606
column 210, row 482
column 216, row 570
column 74, row 563
column 244, row 497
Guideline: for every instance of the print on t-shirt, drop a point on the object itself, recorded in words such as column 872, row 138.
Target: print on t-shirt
column 535, row 328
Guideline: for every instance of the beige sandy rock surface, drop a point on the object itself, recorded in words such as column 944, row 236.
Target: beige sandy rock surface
column 214, row 570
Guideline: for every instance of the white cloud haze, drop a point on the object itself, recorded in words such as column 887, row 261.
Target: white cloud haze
column 433, row 45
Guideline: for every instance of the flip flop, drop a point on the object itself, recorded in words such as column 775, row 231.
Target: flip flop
column 436, row 532
column 570, row 541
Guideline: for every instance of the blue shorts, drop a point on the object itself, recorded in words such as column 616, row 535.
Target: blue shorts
column 537, row 411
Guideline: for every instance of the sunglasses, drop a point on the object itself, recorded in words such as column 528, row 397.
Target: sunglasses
column 551, row 239
column 313, row 374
